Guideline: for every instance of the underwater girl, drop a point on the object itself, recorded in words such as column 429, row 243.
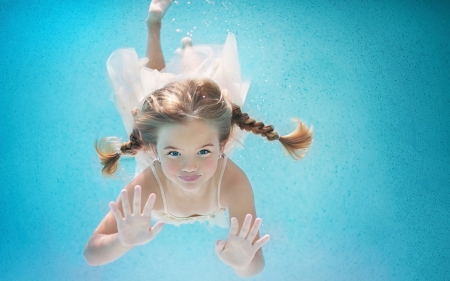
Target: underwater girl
column 183, row 119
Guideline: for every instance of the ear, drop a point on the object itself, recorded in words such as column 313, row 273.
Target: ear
column 153, row 149
column 222, row 147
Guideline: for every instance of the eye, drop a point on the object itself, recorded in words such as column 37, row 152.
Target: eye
column 174, row 153
column 204, row 152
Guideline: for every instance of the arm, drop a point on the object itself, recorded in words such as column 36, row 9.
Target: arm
column 241, row 206
column 254, row 268
column 121, row 230
column 104, row 247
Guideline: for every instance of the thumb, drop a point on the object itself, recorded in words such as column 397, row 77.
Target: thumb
column 219, row 246
column 157, row 228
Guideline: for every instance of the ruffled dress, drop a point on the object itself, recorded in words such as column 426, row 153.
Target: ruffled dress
column 132, row 82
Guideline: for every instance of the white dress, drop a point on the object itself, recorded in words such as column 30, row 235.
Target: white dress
column 132, row 82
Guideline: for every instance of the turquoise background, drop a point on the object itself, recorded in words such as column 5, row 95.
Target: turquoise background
column 370, row 201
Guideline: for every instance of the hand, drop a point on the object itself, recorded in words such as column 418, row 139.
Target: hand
column 135, row 229
column 239, row 250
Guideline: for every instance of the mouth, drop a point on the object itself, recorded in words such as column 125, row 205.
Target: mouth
column 189, row 178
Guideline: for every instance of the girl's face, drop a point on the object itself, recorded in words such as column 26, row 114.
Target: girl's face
column 188, row 153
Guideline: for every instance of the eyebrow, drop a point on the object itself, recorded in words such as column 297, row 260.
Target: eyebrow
column 172, row 147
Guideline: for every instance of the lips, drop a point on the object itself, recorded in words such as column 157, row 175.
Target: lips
column 189, row 178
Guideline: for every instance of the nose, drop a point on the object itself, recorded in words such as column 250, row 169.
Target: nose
column 189, row 166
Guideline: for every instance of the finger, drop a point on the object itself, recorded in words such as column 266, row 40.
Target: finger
column 234, row 227
column 157, row 228
column 220, row 245
column 149, row 205
column 137, row 200
column 261, row 242
column 115, row 212
column 254, row 231
column 246, row 226
column 125, row 203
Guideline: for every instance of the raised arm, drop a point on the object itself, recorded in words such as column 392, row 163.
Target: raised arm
column 242, row 249
column 123, row 227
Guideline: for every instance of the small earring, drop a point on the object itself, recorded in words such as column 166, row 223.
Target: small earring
column 220, row 156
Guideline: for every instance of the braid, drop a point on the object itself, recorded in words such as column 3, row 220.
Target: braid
column 110, row 149
column 295, row 143
column 243, row 121
column 134, row 145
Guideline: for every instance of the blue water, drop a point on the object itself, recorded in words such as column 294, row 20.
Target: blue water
column 371, row 200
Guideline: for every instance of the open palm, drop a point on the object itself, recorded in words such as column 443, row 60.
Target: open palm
column 134, row 227
column 239, row 250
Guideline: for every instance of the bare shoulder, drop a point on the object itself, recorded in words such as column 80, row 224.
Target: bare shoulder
column 235, row 184
column 146, row 179
column 148, row 184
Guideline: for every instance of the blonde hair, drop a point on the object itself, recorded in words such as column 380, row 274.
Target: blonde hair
column 188, row 100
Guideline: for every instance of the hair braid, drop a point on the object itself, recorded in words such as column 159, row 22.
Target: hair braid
column 134, row 145
column 295, row 143
column 185, row 101
column 243, row 121
column 176, row 103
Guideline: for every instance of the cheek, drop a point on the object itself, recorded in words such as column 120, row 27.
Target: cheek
column 169, row 167
column 210, row 164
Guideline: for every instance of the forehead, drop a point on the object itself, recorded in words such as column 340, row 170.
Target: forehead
column 187, row 135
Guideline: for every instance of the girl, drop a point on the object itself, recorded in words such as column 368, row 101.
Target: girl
column 180, row 136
